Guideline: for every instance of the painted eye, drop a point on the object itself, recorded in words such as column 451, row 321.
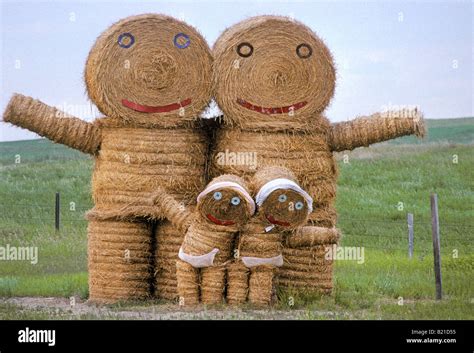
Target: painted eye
column 126, row 40
column 181, row 41
column 299, row 205
column 282, row 198
column 304, row 51
column 235, row 201
column 245, row 49
column 217, row 195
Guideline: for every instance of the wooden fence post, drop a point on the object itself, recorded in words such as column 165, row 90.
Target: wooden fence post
column 57, row 212
column 436, row 245
column 410, row 235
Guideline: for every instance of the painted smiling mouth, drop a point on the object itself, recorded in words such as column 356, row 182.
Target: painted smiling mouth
column 269, row 111
column 218, row 221
column 272, row 220
column 155, row 109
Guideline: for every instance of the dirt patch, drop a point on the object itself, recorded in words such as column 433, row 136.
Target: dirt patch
column 63, row 307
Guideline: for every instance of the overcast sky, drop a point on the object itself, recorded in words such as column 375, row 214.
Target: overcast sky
column 387, row 53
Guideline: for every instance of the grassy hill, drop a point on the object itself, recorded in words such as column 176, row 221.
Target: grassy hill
column 371, row 187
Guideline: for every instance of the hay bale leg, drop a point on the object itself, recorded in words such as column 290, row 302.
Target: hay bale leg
column 119, row 260
column 261, row 285
column 306, row 269
column 187, row 283
column 168, row 240
column 237, row 283
column 212, row 284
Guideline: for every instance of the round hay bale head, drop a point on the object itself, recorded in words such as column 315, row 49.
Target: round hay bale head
column 150, row 69
column 272, row 70
column 280, row 199
column 225, row 204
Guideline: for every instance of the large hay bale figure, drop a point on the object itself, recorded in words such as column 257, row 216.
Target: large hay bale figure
column 282, row 207
column 273, row 80
column 223, row 209
column 151, row 76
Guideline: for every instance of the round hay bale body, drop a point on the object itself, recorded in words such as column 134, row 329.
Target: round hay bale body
column 273, row 79
column 151, row 76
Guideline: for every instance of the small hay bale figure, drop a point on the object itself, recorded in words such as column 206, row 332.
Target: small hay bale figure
column 282, row 207
column 150, row 75
column 273, row 79
column 223, row 208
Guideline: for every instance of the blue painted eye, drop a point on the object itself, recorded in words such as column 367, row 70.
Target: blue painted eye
column 235, row 201
column 299, row 205
column 126, row 40
column 217, row 195
column 181, row 41
column 282, row 198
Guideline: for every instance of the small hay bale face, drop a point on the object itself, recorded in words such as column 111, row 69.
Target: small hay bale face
column 273, row 79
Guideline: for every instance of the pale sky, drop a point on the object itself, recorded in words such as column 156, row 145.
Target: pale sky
column 388, row 54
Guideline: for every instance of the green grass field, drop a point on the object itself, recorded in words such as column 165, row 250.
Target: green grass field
column 373, row 186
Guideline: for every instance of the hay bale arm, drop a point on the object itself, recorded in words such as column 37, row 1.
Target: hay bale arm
column 311, row 236
column 166, row 206
column 46, row 121
column 367, row 130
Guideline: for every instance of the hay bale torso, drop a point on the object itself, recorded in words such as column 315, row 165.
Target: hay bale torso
column 201, row 238
column 256, row 242
column 132, row 162
column 308, row 155
column 305, row 153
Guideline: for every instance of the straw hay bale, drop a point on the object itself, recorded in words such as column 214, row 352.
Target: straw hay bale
column 261, row 285
column 121, row 268
column 237, row 283
column 155, row 64
column 273, row 80
column 49, row 122
column 257, row 60
column 367, row 130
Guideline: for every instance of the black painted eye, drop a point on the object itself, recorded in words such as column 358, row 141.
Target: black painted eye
column 126, row 40
column 304, row 51
column 245, row 49
column 181, row 41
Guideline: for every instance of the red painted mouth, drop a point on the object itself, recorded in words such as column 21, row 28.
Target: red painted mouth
column 218, row 221
column 269, row 111
column 155, row 109
column 272, row 220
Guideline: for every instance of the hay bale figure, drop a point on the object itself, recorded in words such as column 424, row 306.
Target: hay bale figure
column 282, row 206
column 223, row 208
column 273, row 79
column 150, row 75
